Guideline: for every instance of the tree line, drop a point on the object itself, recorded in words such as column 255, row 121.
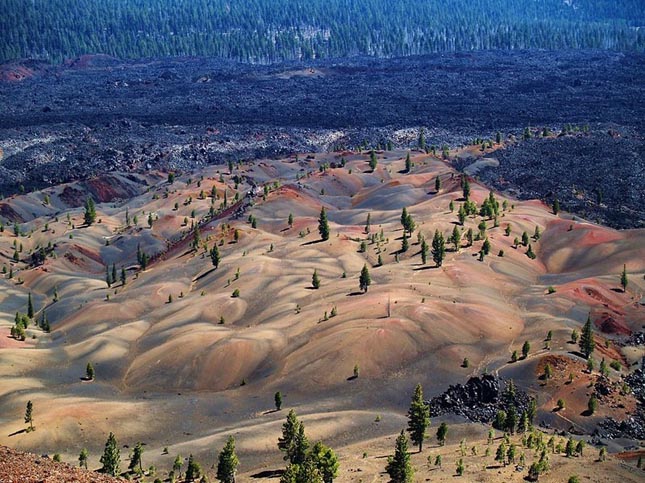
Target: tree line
column 265, row 31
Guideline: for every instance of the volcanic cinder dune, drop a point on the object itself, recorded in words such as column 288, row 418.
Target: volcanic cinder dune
column 186, row 354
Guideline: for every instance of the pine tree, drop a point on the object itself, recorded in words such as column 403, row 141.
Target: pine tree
column 405, row 245
column 422, row 139
column 398, row 466
column 215, row 257
column 123, row 276
column 461, row 214
column 197, row 238
column 323, row 225
column 586, row 342
column 456, row 238
column 364, row 280
column 277, row 398
column 228, row 462
column 438, row 248
column 424, row 251
column 290, row 220
column 111, row 459
column 290, row 430
column 315, row 280
column 623, row 278
column 193, row 469
column 442, row 433
column 556, row 206
column 82, row 458
column 418, row 418
column 90, row 211
column 89, row 372
column 325, row 460
column 408, row 163
column 373, row 160
column 30, row 307
column 437, row 184
column 526, row 347
column 29, row 415
column 135, row 458
column 300, row 446
column 465, row 184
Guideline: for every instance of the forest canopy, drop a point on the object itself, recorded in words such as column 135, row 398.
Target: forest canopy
column 266, row 31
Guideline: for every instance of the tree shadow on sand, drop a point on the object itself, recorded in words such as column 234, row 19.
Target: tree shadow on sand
column 268, row 474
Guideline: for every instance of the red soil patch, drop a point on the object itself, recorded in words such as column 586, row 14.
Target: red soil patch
column 31, row 468
column 8, row 213
column 72, row 197
column 559, row 364
column 630, row 455
column 610, row 325
column 15, row 73
column 110, row 188
column 6, row 341
column 591, row 293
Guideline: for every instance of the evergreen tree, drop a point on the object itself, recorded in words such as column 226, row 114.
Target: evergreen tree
column 408, row 163
column 300, row 446
column 405, row 245
column 556, row 206
column 399, row 467
column 418, row 418
column 29, row 415
column 90, row 211
column 108, row 276
column 586, row 342
column 197, row 238
column 364, row 280
column 422, row 139
column 176, row 466
column 462, row 215
column 373, row 160
column 456, row 238
column 215, row 257
column 111, row 459
column 123, row 276
column 30, row 307
column 193, row 469
column 302, row 473
column 442, row 433
column 89, row 372
column 290, row 430
column 135, row 458
column 438, row 248
column 486, row 246
column 623, row 278
column 325, row 460
column 424, row 251
column 323, row 225
column 82, row 458
column 228, row 462
column 437, row 184
column 315, row 280
column 290, row 220
column 278, row 400
column 465, row 185
column 526, row 347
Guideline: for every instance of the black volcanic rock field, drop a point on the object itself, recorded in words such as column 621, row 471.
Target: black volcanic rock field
column 97, row 114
